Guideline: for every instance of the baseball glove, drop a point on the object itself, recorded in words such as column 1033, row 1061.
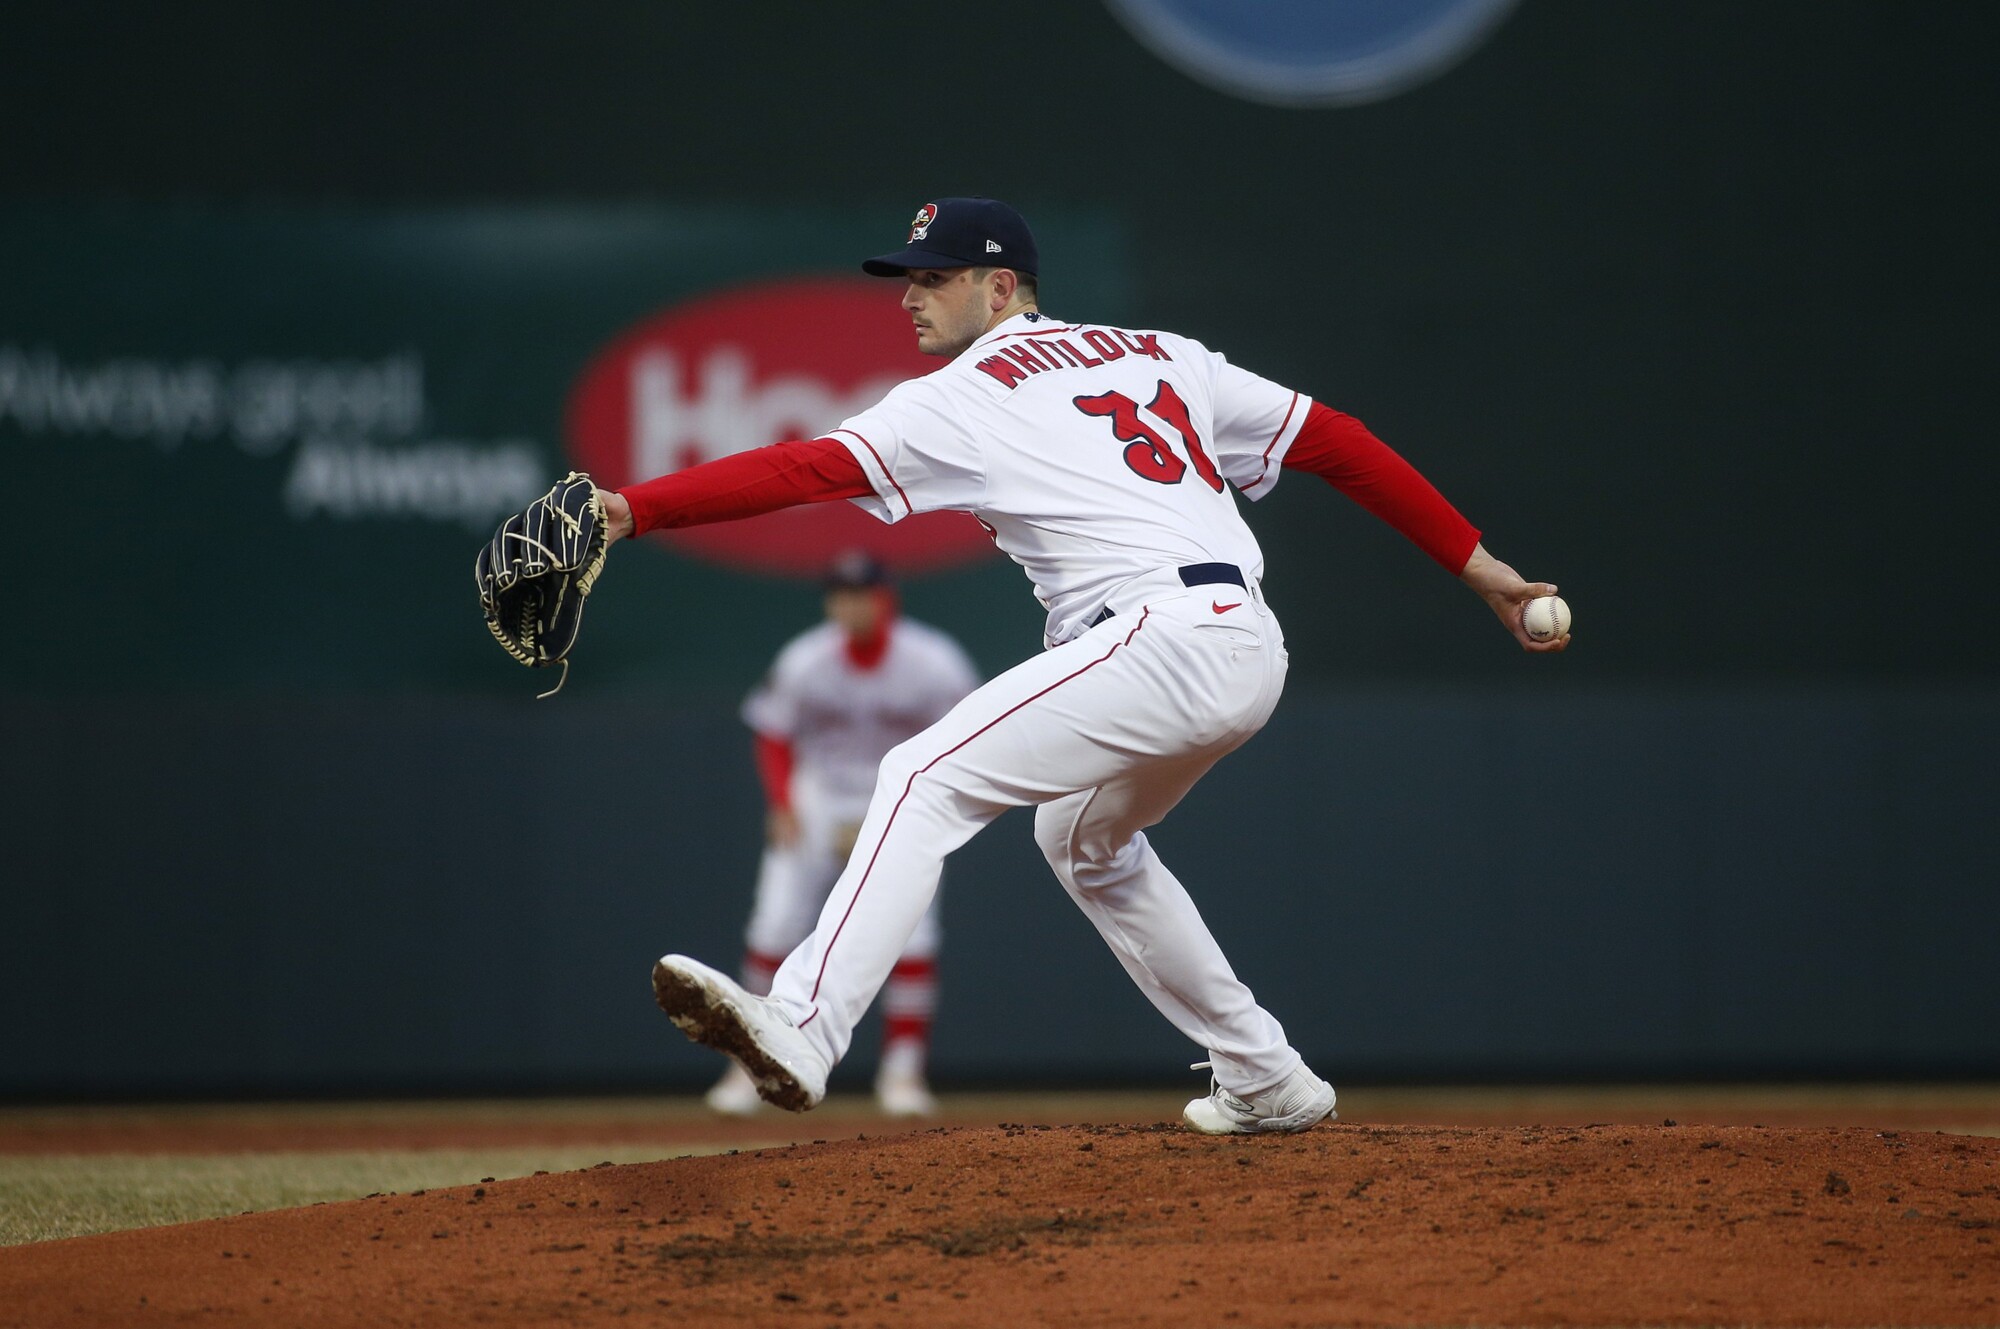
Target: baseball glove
column 537, row 572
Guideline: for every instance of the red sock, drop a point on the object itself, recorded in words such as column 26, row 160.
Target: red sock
column 908, row 1001
column 758, row 971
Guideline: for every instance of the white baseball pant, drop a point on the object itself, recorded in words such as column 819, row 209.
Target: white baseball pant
column 793, row 881
column 1106, row 733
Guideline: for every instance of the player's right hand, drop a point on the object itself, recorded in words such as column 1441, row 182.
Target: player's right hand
column 781, row 828
column 1506, row 592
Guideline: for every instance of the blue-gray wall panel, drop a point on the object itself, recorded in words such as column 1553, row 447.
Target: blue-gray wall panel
column 322, row 896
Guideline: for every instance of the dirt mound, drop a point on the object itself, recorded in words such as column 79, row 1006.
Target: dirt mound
column 1113, row 1226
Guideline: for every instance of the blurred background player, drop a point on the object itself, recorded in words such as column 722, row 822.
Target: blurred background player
column 837, row 698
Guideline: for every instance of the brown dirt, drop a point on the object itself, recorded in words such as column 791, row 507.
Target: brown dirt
column 1112, row 1226
column 679, row 1123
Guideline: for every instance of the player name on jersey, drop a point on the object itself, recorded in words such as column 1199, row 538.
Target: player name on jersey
column 1043, row 351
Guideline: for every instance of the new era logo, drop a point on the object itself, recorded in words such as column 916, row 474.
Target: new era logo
column 992, row 246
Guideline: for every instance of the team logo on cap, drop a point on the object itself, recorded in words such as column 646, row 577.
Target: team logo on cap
column 921, row 227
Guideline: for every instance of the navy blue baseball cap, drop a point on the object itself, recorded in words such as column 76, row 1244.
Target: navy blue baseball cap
column 852, row 570
column 962, row 233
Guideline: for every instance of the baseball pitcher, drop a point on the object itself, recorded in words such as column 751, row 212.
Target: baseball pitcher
column 1107, row 462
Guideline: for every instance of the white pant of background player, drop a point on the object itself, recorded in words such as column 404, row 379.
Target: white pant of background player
column 793, row 884
column 1105, row 733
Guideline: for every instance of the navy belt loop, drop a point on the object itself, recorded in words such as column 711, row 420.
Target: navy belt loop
column 1194, row 574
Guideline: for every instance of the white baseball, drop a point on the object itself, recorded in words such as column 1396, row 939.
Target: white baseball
column 1545, row 619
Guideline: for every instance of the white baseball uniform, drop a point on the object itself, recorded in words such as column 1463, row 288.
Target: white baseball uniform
column 840, row 718
column 1099, row 459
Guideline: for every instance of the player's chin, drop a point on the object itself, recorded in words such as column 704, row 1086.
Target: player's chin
column 932, row 342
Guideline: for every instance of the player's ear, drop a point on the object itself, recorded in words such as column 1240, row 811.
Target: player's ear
column 1004, row 282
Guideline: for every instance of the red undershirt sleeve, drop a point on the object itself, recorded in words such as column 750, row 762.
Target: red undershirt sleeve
column 1340, row 450
column 747, row 484
column 774, row 770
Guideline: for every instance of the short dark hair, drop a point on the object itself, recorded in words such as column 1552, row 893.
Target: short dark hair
column 1025, row 280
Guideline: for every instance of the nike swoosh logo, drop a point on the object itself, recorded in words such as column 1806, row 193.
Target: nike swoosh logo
column 1223, row 608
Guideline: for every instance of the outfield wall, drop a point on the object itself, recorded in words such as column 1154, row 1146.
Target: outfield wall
column 278, row 897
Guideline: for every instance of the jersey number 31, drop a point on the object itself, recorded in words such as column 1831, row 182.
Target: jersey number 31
column 1146, row 452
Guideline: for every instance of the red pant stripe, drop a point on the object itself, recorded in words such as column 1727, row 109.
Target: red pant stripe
column 884, row 839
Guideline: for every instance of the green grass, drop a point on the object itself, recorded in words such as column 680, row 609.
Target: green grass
column 44, row 1197
column 49, row 1195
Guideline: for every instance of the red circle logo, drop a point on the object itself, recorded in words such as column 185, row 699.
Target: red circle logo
column 749, row 366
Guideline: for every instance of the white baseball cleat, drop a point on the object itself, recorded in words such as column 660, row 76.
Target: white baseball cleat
column 904, row 1096
column 709, row 1007
column 735, row 1094
column 900, row 1088
column 1298, row 1101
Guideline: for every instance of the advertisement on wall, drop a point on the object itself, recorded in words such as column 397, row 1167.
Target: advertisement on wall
column 296, row 425
column 743, row 368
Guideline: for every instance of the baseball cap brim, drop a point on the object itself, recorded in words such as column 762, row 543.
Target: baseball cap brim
column 913, row 256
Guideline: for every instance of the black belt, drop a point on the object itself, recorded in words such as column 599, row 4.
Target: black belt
column 1194, row 574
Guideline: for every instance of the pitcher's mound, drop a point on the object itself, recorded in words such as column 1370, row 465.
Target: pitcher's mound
column 1113, row 1226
